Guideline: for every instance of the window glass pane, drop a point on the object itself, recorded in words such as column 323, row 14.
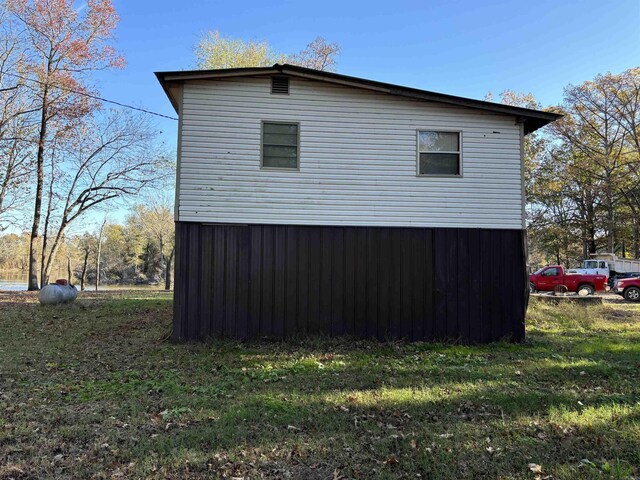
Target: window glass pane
column 279, row 162
column 277, row 151
column 439, row 142
column 280, row 139
column 280, row 145
column 439, row 164
column 290, row 128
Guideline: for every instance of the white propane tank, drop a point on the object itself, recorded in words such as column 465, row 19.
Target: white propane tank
column 57, row 293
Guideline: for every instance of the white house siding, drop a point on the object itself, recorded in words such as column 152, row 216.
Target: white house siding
column 357, row 159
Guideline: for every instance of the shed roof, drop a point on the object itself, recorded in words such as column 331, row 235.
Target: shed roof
column 532, row 119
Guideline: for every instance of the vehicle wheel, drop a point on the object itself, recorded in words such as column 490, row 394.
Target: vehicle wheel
column 589, row 288
column 532, row 288
column 632, row 294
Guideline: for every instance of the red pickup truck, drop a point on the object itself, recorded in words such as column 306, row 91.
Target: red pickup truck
column 548, row 278
column 629, row 288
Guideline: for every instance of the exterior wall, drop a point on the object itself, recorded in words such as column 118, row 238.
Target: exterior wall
column 357, row 159
column 251, row 281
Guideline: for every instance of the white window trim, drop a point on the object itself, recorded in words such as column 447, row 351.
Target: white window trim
column 459, row 153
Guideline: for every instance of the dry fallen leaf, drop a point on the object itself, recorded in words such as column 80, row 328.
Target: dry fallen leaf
column 535, row 468
column 391, row 460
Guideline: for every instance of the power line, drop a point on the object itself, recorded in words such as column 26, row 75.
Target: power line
column 95, row 97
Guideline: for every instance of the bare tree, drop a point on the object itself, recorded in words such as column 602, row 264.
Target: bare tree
column 17, row 124
column 104, row 160
column 319, row 55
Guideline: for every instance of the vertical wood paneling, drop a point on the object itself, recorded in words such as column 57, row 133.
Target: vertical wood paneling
column 350, row 247
column 488, row 300
column 360, row 273
column 337, row 282
column 218, row 279
column 326, row 270
column 377, row 282
column 244, row 283
column 463, row 283
column 396, row 283
column 194, row 325
column 441, row 294
column 371, row 311
column 476, row 278
column 303, row 280
column 385, row 264
column 279, row 290
column 255, row 281
column 267, row 274
column 291, row 281
column 451, row 285
column 418, row 293
column 206, row 282
column 313, row 269
column 230, row 281
column 429, row 315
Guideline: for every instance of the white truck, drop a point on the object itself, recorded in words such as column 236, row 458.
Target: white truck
column 608, row 264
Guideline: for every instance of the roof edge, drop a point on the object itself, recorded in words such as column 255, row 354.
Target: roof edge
column 532, row 119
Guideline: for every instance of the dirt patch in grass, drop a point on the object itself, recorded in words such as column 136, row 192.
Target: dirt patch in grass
column 94, row 390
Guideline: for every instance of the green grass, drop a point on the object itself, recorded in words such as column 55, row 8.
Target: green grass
column 95, row 390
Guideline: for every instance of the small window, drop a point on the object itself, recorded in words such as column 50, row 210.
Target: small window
column 551, row 272
column 280, row 145
column 439, row 153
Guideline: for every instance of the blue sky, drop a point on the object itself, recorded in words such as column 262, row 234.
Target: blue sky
column 465, row 48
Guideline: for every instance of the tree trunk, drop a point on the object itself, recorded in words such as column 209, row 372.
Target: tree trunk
column 35, row 227
column 167, row 276
column 84, row 269
column 45, row 263
column 69, row 269
column 636, row 238
column 98, row 253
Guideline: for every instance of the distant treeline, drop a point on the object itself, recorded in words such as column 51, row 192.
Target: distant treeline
column 140, row 251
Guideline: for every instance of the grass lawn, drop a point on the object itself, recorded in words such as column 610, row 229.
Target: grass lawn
column 95, row 390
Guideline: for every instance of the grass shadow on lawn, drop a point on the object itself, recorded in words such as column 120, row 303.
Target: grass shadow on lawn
column 94, row 390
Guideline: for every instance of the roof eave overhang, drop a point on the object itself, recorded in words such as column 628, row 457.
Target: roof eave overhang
column 532, row 119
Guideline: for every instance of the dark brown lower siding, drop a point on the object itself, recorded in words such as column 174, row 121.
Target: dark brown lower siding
column 251, row 281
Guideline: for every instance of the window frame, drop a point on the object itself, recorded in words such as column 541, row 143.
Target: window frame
column 459, row 153
column 279, row 169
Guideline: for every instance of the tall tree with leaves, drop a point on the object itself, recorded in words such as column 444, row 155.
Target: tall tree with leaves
column 215, row 51
column 63, row 47
column 591, row 127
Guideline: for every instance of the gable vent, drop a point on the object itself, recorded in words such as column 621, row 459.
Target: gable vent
column 280, row 85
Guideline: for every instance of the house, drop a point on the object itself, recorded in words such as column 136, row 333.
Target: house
column 312, row 202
